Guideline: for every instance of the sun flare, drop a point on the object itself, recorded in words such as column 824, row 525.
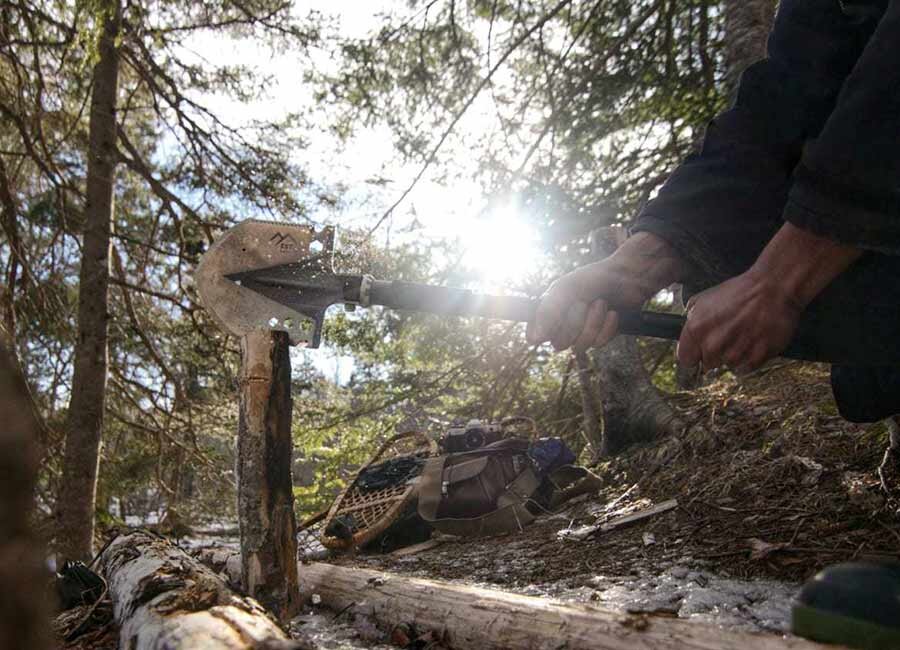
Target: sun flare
column 501, row 247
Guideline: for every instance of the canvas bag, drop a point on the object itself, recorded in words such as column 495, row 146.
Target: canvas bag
column 479, row 492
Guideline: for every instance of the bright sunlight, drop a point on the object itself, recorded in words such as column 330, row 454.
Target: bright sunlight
column 502, row 247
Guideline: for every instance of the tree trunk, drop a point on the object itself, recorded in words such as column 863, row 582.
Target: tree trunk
column 747, row 26
column 163, row 599
column 85, row 417
column 633, row 409
column 464, row 617
column 589, row 412
column 23, row 615
column 265, row 490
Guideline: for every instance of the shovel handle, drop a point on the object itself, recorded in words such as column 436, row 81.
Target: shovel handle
column 655, row 324
column 450, row 301
column 462, row 302
column 660, row 325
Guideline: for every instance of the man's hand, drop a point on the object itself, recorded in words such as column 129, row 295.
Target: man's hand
column 739, row 324
column 572, row 313
column 579, row 308
column 747, row 320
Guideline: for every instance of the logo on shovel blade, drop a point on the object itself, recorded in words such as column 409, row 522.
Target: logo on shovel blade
column 285, row 243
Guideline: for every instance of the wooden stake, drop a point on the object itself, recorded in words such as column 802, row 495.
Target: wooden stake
column 265, row 490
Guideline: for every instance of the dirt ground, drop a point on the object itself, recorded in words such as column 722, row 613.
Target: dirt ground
column 772, row 484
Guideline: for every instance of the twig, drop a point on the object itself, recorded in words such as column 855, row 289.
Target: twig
column 338, row 615
column 84, row 619
column 612, row 504
column 889, row 529
column 796, row 531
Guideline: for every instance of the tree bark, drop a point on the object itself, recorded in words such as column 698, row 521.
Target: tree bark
column 464, row 617
column 747, row 26
column 78, row 489
column 23, row 615
column 633, row 409
column 589, row 411
column 265, row 490
column 165, row 600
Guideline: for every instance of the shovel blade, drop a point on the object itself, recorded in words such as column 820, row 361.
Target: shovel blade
column 253, row 245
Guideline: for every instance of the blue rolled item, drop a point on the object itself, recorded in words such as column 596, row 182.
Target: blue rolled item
column 549, row 454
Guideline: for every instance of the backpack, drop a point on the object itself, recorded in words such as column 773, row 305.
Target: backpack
column 480, row 492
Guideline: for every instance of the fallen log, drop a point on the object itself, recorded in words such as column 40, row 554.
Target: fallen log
column 465, row 617
column 165, row 599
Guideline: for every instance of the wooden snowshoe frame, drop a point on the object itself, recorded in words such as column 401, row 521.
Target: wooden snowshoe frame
column 375, row 510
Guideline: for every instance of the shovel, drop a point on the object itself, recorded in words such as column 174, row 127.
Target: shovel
column 265, row 275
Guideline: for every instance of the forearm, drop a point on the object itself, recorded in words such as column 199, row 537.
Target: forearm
column 747, row 162
column 801, row 264
column 845, row 186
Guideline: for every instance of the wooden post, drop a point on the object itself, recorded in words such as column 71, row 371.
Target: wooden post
column 265, row 490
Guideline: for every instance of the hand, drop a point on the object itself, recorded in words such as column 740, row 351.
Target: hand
column 579, row 308
column 741, row 323
column 575, row 310
column 751, row 318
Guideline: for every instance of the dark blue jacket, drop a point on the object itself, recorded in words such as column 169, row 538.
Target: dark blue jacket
column 813, row 138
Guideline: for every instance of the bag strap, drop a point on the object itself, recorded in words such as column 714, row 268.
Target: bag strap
column 431, row 488
column 521, row 488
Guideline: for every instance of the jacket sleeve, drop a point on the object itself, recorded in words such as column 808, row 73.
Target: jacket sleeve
column 722, row 205
column 847, row 184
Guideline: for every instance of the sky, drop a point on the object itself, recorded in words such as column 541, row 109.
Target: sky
column 498, row 243
column 452, row 211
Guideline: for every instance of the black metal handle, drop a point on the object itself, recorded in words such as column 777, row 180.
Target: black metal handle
column 656, row 324
column 450, row 301
column 462, row 302
column 310, row 288
column 668, row 326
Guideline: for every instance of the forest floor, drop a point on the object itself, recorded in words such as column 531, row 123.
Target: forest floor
column 771, row 484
